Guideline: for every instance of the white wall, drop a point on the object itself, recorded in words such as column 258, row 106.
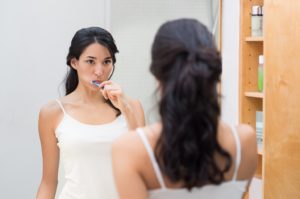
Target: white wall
column 230, row 55
column 34, row 40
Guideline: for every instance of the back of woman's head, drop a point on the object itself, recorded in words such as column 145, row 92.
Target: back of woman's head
column 81, row 40
column 188, row 66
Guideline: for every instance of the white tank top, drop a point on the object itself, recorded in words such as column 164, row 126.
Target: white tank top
column 85, row 151
column 230, row 189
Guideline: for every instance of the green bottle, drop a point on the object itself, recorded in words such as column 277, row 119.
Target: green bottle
column 260, row 73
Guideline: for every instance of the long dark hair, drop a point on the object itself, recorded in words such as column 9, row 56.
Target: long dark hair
column 188, row 66
column 81, row 40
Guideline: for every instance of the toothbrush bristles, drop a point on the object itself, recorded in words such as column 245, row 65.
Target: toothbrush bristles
column 96, row 83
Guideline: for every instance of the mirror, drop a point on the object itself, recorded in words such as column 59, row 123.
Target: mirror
column 35, row 37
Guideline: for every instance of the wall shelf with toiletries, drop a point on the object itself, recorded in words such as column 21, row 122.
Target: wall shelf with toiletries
column 261, row 90
column 250, row 98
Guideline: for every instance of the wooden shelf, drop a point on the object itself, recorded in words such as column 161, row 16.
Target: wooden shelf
column 254, row 39
column 278, row 68
column 251, row 100
column 254, row 94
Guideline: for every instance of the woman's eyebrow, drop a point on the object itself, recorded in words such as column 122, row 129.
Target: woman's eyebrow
column 91, row 57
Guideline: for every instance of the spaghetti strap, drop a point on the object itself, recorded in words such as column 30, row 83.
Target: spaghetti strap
column 152, row 157
column 61, row 106
column 238, row 152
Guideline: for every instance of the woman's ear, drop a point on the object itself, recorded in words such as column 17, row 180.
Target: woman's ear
column 74, row 63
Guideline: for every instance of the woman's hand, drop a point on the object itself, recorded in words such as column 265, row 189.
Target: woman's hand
column 114, row 93
column 131, row 109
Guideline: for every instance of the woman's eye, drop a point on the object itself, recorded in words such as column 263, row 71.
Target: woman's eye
column 106, row 62
column 90, row 61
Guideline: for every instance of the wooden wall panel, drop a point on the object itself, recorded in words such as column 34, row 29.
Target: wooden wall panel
column 281, row 166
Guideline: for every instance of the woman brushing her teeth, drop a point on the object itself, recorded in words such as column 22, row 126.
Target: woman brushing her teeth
column 80, row 127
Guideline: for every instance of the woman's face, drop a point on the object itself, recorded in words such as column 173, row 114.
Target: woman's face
column 94, row 64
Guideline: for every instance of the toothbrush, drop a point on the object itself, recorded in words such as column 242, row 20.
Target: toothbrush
column 97, row 83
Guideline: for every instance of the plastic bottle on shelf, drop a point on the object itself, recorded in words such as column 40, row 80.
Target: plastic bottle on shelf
column 256, row 21
column 262, row 20
column 260, row 73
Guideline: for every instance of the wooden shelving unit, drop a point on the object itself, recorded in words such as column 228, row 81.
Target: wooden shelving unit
column 279, row 156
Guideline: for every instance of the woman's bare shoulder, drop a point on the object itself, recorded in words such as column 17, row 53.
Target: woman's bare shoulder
column 249, row 157
column 128, row 141
column 51, row 113
column 127, row 151
column 247, row 137
column 245, row 132
column 131, row 143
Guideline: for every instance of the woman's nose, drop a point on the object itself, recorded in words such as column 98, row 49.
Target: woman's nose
column 99, row 70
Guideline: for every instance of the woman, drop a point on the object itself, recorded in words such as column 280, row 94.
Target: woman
column 190, row 153
column 81, row 126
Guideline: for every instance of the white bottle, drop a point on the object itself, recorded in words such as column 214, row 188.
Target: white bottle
column 262, row 18
column 256, row 21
